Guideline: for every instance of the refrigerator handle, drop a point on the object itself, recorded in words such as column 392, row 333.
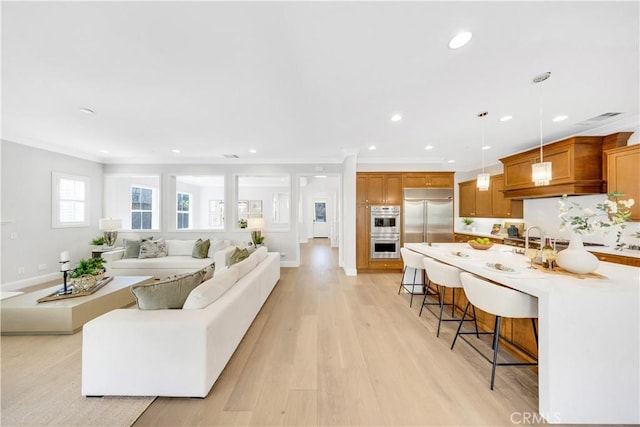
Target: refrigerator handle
column 425, row 215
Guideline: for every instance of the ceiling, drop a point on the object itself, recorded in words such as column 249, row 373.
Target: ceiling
column 308, row 82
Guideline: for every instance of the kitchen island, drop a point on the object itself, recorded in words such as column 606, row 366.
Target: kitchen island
column 589, row 333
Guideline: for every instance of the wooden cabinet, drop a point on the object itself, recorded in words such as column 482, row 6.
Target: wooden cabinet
column 379, row 189
column 618, row 259
column 623, row 175
column 374, row 189
column 427, row 180
column 501, row 207
column 487, row 204
column 576, row 169
column 362, row 236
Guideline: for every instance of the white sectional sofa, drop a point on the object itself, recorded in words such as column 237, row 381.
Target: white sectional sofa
column 179, row 260
column 181, row 353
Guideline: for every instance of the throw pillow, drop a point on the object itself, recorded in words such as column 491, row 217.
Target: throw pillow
column 153, row 249
column 179, row 247
column 208, row 272
column 238, row 255
column 201, row 249
column 212, row 289
column 166, row 294
column 132, row 247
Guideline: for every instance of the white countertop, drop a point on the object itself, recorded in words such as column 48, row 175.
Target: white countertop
column 589, row 333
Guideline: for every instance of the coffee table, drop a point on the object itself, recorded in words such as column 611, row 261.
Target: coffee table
column 23, row 315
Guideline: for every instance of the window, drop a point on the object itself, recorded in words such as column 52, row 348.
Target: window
column 141, row 208
column 182, row 211
column 216, row 214
column 320, row 212
column 135, row 198
column 69, row 199
column 199, row 202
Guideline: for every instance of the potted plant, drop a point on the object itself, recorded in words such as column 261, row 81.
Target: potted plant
column 258, row 240
column 467, row 223
column 87, row 274
column 99, row 241
column 242, row 223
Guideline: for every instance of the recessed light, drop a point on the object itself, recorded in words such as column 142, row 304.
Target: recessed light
column 320, row 176
column 429, row 147
column 451, row 161
column 372, row 147
column 87, row 110
column 396, row 118
column 486, row 147
column 505, row 118
column 104, row 151
column 460, row 40
column 559, row 118
column 175, row 150
column 253, row 151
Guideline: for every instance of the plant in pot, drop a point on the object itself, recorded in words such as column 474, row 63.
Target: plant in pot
column 99, row 241
column 467, row 223
column 257, row 240
column 87, row 274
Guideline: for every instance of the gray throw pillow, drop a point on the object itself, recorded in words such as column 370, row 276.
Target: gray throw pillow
column 166, row 294
column 238, row 255
column 201, row 249
column 208, row 272
column 132, row 247
column 153, row 249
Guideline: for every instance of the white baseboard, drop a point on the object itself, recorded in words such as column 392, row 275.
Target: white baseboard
column 350, row 271
column 20, row 284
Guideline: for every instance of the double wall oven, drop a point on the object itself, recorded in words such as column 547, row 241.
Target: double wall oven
column 385, row 232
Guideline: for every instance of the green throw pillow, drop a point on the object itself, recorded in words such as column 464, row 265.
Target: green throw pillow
column 238, row 255
column 201, row 249
column 166, row 294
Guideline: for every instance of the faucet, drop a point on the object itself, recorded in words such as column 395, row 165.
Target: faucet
column 526, row 236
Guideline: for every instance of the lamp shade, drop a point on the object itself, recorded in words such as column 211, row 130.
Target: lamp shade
column 255, row 223
column 541, row 173
column 483, row 181
column 109, row 224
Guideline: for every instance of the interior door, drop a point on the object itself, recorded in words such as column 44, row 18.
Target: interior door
column 320, row 221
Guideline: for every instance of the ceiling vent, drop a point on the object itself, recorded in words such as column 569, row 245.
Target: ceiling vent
column 231, row 156
column 597, row 119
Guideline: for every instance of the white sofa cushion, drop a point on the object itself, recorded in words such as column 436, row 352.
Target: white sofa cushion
column 260, row 254
column 174, row 262
column 180, row 247
column 212, row 289
column 166, row 294
column 217, row 245
column 246, row 265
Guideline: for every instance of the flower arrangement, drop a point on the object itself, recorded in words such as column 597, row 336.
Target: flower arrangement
column 614, row 212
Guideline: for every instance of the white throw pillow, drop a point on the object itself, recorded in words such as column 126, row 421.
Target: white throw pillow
column 260, row 254
column 212, row 289
column 180, row 247
column 217, row 245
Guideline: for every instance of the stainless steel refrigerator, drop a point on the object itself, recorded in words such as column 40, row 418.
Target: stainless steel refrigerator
column 428, row 215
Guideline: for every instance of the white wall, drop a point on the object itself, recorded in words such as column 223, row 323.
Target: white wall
column 26, row 214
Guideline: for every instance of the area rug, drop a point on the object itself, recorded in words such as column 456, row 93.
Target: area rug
column 41, row 386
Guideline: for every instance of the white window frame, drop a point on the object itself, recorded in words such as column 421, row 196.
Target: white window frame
column 131, row 210
column 56, row 220
column 188, row 212
column 213, row 213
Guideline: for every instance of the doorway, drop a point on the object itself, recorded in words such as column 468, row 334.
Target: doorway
column 320, row 224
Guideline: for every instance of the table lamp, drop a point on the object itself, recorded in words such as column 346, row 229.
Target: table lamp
column 256, row 225
column 110, row 228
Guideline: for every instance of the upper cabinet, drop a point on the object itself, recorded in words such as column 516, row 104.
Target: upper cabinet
column 576, row 168
column 487, row 204
column 427, row 180
column 379, row 188
column 623, row 175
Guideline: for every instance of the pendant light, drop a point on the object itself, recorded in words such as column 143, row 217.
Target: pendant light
column 482, row 181
column 541, row 171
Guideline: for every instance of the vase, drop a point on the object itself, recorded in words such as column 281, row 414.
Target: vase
column 576, row 259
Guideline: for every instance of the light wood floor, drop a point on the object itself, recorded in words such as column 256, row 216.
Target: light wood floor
column 332, row 350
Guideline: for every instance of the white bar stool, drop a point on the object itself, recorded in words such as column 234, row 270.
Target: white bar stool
column 444, row 276
column 411, row 260
column 499, row 301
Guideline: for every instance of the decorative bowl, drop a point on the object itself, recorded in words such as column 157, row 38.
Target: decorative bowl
column 480, row 246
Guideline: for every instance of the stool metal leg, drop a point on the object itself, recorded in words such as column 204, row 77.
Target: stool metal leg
column 535, row 330
column 496, row 335
column 475, row 320
column 413, row 287
column 453, row 303
column 444, row 293
column 402, row 279
column 460, row 325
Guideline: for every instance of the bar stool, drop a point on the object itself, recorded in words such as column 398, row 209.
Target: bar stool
column 444, row 276
column 499, row 301
column 411, row 260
